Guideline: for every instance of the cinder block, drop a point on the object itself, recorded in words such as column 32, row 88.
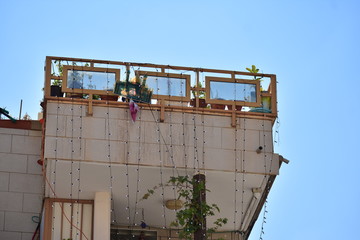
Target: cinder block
column 219, row 159
column 13, row 131
column 2, row 216
column 13, row 162
column 255, row 124
column 215, row 121
column 27, row 236
column 98, row 150
column 266, row 139
column 227, row 138
column 26, row 183
column 111, row 112
column 64, row 148
column 67, row 109
column 94, row 128
column 35, row 133
column 32, row 203
column 32, row 165
column 5, row 146
column 118, row 130
column 55, row 125
column 4, row 181
column 147, row 115
column 10, row 201
column 261, row 163
column 19, row 222
column 10, row 235
column 251, row 140
column 26, row 144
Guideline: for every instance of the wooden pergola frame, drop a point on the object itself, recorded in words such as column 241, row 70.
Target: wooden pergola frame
column 67, row 68
column 186, row 98
column 210, row 79
column 271, row 91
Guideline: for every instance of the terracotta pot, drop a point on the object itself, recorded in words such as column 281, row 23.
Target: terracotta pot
column 55, row 91
column 202, row 102
column 109, row 97
column 238, row 108
column 218, row 106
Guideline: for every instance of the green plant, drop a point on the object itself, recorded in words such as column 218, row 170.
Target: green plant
column 193, row 215
column 253, row 69
column 200, row 94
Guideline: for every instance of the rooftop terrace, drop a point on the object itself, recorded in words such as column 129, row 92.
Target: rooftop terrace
column 161, row 87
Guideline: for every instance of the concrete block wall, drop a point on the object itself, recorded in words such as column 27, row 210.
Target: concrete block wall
column 21, row 183
column 208, row 141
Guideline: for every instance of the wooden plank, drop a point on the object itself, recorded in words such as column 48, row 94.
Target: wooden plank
column 47, row 219
column 159, row 66
column 233, row 118
column 47, row 78
column 162, row 111
column 90, row 106
column 274, row 95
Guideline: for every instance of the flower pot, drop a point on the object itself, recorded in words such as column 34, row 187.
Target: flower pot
column 202, row 102
column 109, row 97
column 218, row 106
column 238, row 108
column 55, row 91
column 134, row 91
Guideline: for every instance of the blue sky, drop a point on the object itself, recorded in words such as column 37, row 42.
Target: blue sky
column 312, row 46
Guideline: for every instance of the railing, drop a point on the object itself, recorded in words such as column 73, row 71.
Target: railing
column 210, row 91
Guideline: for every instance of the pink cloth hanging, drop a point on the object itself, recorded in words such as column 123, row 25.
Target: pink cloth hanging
column 134, row 108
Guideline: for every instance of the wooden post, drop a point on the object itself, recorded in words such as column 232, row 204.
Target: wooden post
column 200, row 197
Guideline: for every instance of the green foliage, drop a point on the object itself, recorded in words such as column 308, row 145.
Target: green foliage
column 193, row 214
column 253, row 69
column 200, row 94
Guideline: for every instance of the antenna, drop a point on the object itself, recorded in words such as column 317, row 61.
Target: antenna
column 20, row 109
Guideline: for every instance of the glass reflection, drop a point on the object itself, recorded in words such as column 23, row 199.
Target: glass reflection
column 233, row 91
column 167, row 86
column 91, row 80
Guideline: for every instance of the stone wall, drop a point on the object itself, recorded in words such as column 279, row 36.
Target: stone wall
column 21, row 183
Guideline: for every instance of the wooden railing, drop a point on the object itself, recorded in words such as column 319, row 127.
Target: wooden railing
column 175, row 88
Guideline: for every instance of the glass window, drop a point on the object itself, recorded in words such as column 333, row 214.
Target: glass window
column 91, row 80
column 166, row 85
column 233, row 91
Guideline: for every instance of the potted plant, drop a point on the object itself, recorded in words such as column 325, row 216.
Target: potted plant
column 200, row 94
column 265, row 100
column 191, row 218
column 55, row 88
column 135, row 89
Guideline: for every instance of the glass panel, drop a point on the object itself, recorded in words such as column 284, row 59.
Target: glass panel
column 233, row 91
column 167, row 86
column 91, row 80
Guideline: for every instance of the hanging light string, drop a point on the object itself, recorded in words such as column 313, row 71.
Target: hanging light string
column 109, row 156
column 134, row 223
column 56, row 161
column 235, row 162
column 277, row 131
column 78, row 233
column 264, row 221
column 203, row 130
column 127, row 166
column 243, row 170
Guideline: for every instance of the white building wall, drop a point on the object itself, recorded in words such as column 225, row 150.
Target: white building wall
column 21, row 183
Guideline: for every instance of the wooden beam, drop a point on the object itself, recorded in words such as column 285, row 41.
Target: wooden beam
column 162, row 111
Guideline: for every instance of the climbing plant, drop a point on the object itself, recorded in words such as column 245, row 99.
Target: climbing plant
column 192, row 217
